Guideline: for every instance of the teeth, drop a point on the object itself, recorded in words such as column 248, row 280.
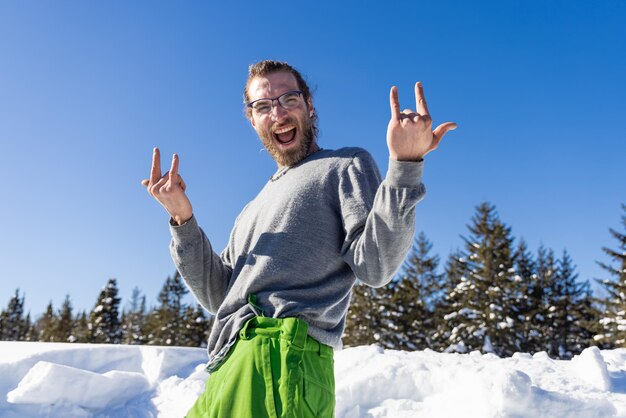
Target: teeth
column 283, row 130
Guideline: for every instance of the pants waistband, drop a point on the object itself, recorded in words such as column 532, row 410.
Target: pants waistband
column 293, row 330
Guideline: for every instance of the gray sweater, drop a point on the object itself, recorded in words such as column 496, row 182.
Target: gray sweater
column 302, row 242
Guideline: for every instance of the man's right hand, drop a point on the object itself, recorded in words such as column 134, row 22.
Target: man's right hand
column 169, row 189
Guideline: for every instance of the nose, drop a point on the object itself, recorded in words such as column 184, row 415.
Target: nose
column 278, row 112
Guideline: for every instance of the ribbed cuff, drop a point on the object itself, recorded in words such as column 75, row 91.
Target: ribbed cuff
column 185, row 230
column 404, row 173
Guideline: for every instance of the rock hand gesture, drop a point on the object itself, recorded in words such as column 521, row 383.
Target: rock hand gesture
column 169, row 189
column 409, row 133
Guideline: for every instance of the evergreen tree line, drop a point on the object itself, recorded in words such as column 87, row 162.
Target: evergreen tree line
column 492, row 296
column 170, row 323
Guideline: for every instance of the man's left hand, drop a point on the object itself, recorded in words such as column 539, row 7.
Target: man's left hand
column 409, row 134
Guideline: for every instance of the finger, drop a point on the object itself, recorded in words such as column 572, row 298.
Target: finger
column 155, row 188
column 420, row 100
column 442, row 129
column 162, row 184
column 155, row 172
column 394, row 103
column 410, row 115
column 174, row 168
column 145, row 182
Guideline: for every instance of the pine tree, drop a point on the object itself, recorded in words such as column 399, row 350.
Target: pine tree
column 165, row 324
column 134, row 320
column 363, row 322
column 81, row 329
column 385, row 329
column 14, row 326
column 483, row 304
column 444, row 337
column 531, row 298
column 46, row 325
column 31, row 333
column 613, row 333
column 569, row 309
column 196, row 326
column 105, row 317
column 543, row 295
column 410, row 300
column 65, row 323
column 589, row 316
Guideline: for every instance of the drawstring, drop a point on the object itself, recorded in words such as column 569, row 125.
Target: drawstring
column 252, row 301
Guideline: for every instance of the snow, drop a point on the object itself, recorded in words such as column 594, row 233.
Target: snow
column 101, row 390
column 591, row 367
column 89, row 380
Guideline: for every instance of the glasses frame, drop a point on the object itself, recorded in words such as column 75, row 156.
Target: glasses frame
column 275, row 99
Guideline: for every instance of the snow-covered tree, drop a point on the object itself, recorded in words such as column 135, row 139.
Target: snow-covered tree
column 363, row 320
column 196, row 327
column 166, row 324
column 46, row 325
column 105, row 317
column 65, row 323
column 613, row 333
column 442, row 337
column 483, row 313
column 531, row 300
column 410, row 300
column 134, row 319
column 81, row 329
column 31, row 333
column 570, row 304
column 13, row 326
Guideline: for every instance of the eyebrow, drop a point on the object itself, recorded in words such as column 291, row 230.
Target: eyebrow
column 279, row 87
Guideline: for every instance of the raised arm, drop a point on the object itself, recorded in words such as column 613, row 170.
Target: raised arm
column 379, row 238
column 204, row 271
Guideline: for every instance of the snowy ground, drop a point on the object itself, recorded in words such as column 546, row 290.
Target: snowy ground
column 80, row 380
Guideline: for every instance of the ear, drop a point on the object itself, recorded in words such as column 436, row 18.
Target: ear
column 310, row 106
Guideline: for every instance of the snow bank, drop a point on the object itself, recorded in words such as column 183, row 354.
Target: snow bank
column 71, row 381
column 79, row 387
column 374, row 383
column 91, row 380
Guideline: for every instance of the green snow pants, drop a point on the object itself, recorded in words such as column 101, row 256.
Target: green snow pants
column 274, row 370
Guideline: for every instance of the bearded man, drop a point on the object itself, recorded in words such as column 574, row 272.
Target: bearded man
column 280, row 290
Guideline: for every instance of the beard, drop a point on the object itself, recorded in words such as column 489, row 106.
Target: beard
column 305, row 133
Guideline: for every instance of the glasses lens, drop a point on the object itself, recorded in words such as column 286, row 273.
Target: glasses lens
column 262, row 106
column 289, row 100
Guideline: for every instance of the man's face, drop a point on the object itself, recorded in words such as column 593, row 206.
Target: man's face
column 286, row 134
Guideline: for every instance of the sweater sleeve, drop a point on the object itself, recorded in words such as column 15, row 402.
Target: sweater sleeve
column 207, row 274
column 378, row 218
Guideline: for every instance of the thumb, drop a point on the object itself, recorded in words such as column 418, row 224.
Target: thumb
column 145, row 182
column 442, row 129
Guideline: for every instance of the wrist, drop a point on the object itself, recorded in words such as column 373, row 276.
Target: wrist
column 180, row 220
column 414, row 159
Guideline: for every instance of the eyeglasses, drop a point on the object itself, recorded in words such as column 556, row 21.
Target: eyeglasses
column 288, row 101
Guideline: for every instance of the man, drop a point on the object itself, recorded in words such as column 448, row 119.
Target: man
column 281, row 288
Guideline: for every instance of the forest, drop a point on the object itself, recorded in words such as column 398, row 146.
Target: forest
column 495, row 295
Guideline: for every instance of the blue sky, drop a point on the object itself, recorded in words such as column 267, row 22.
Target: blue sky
column 87, row 89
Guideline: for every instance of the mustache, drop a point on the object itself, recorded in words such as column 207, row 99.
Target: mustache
column 276, row 126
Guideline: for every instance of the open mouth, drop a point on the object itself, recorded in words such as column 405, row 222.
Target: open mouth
column 285, row 135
